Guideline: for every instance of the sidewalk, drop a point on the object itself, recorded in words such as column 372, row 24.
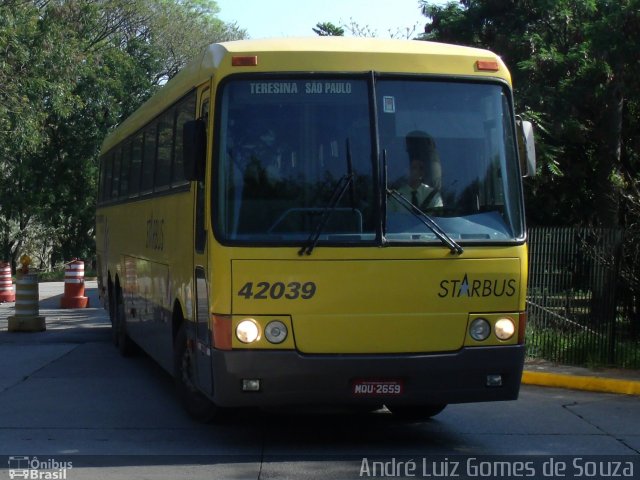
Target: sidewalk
column 536, row 372
column 62, row 325
column 608, row 380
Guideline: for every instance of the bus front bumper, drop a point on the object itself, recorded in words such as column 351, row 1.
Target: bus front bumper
column 475, row 374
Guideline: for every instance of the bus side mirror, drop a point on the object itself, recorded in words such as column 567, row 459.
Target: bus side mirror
column 194, row 149
column 527, row 148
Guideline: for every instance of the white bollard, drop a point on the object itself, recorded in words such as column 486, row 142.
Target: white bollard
column 27, row 317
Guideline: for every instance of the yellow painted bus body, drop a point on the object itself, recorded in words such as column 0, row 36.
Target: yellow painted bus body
column 399, row 312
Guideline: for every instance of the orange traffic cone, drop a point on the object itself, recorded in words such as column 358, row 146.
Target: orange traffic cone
column 73, row 296
column 7, row 292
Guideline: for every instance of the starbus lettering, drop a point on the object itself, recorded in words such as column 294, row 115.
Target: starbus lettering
column 477, row 287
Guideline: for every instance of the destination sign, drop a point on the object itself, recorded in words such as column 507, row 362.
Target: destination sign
column 300, row 88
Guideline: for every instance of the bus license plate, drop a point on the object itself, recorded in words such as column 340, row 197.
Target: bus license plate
column 377, row 388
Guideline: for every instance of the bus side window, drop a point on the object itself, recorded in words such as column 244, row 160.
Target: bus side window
column 149, row 159
column 184, row 113
column 136, row 165
column 124, row 171
column 165, row 151
column 115, row 179
column 105, row 178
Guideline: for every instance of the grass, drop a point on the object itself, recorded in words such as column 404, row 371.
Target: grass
column 580, row 348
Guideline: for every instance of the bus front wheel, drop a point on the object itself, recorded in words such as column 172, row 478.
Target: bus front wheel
column 415, row 413
column 195, row 403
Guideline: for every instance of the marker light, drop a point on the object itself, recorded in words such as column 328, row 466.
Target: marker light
column 247, row 331
column 505, row 328
column 522, row 327
column 487, row 65
column 479, row 329
column 244, row 61
column 276, row 331
column 221, row 334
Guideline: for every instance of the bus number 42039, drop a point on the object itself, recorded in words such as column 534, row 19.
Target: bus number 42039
column 278, row 290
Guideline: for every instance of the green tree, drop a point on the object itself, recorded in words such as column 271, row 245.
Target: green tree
column 575, row 66
column 71, row 70
column 328, row 29
column 38, row 74
column 575, row 74
column 357, row 30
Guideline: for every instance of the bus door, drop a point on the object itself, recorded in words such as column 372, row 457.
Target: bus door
column 203, row 337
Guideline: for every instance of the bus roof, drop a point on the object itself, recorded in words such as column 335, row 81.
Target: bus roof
column 314, row 54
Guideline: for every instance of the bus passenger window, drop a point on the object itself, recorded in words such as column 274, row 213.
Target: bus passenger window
column 124, row 170
column 107, row 174
column 165, row 151
column 136, row 166
column 115, row 181
column 149, row 159
column 184, row 113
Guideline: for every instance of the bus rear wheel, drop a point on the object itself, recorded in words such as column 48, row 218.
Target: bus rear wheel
column 195, row 403
column 415, row 413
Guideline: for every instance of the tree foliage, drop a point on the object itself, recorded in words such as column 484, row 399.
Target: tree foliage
column 328, row 29
column 357, row 30
column 71, row 70
column 576, row 75
column 575, row 72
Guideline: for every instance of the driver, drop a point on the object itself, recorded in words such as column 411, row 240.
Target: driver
column 425, row 171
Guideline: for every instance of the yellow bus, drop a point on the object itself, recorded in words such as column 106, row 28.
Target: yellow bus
column 329, row 221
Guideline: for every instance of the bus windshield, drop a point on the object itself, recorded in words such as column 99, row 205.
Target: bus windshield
column 287, row 146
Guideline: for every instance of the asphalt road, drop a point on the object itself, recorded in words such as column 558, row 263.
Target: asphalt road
column 66, row 395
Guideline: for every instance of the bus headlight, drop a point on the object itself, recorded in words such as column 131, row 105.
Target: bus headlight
column 276, row 331
column 247, row 331
column 504, row 328
column 479, row 329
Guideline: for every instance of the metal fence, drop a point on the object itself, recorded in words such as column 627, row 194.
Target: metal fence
column 581, row 309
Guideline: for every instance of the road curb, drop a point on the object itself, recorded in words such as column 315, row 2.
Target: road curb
column 581, row 382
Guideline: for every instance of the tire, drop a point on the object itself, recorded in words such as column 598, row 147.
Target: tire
column 125, row 345
column 198, row 406
column 415, row 413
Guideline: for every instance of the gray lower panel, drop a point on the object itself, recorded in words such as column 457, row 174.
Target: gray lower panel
column 289, row 378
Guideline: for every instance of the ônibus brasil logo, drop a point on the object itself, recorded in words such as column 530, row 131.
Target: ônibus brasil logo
column 33, row 468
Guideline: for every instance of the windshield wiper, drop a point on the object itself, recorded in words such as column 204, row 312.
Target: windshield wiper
column 419, row 214
column 338, row 192
column 426, row 220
